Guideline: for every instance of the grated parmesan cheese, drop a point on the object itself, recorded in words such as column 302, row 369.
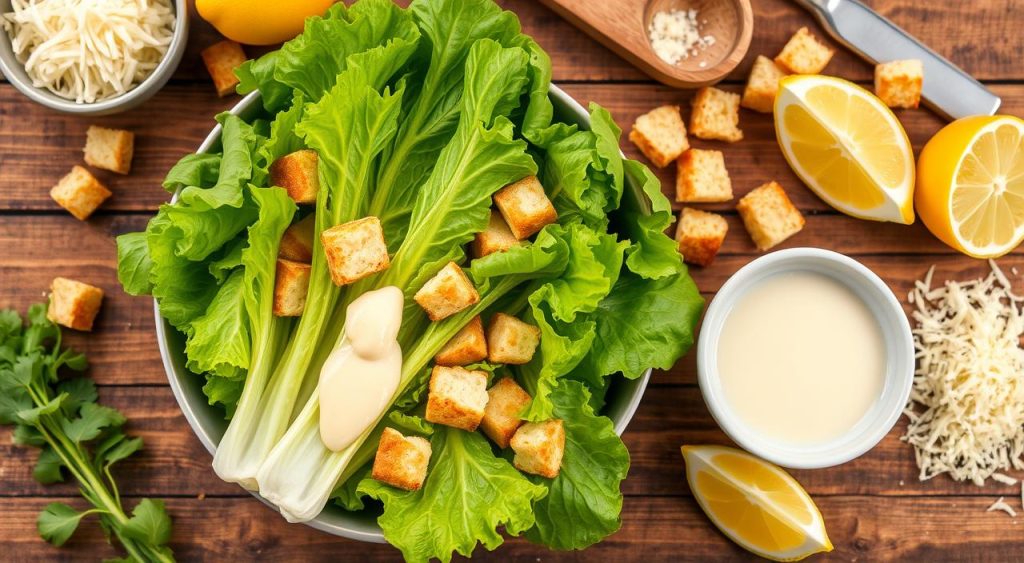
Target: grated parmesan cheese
column 675, row 36
column 966, row 407
column 1004, row 479
column 1000, row 505
column 89, row 50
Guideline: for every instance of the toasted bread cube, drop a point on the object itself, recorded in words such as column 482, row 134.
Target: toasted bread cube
column 80, row 193
column 701, row 177
column 355, row 250
column 497, row 238
column 221, row 60
column 447, row 293
column 898, row 83
column 290, row 288
column 716, row 115
column 297, row 174
column 401, row 461
column 539, row 447
column 74, row 304
column 467, row 347
column 109, row 149
column 660, row 135
column 506, row 399
column 457, row 397
column 297, row 241
column 510, row 340
column 769, row 216
column 763, row 85
column 804, row 54
column 700, row 234
column 525, row 207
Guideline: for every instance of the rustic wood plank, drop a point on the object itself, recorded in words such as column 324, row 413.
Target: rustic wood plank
column 174, row 463
column 654, row 529
column 37, row 146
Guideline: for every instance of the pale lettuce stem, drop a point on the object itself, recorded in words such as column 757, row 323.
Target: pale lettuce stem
column 301, row 473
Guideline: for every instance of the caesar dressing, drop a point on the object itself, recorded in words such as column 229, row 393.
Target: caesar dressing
column 360, row 377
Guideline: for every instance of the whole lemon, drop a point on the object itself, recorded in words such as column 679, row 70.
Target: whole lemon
column 260, row 22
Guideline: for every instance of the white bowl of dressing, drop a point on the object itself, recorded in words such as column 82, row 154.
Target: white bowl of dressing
column 805, row 358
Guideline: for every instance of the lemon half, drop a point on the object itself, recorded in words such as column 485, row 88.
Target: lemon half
column 970, row 182
column 756, row 504
column 847, row 146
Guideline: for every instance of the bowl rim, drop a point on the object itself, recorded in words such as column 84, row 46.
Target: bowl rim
column 16, row 75
column 885, row 308
column 340, row 523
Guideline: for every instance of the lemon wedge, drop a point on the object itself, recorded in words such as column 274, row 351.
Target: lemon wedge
column 756, row 504
column 971, row 185
column 847, row 146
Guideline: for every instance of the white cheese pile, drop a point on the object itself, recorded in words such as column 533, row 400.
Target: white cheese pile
column 967, row 404
column 675, row 35
column 89, row 50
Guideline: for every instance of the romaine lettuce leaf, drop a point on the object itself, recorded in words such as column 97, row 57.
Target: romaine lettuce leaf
column 584, row 502
column 653, row 254
column 200, row 169
column 469, row 495
column 134, row 264
column 219, row 341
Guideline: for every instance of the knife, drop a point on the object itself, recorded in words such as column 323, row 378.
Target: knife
column 947, row 89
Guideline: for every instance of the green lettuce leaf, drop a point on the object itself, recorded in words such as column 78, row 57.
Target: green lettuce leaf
column 201, row 170
column 653, row 254
column 584, row 501
column 468, row 495
column 134, row 264
column 219, row 341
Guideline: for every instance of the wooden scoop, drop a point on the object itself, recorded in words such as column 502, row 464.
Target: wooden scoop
column 622, row 25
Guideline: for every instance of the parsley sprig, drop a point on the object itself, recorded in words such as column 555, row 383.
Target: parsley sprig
column 76, row 435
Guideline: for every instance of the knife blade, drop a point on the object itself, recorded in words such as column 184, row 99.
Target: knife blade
column 947, row 89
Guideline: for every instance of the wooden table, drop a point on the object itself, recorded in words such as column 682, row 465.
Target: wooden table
column 875, row 507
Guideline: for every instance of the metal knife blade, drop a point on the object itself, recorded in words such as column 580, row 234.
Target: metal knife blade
column 947, row 89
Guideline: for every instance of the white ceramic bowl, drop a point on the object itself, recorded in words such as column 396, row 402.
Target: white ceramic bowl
column 899, row 364
column 15, row 73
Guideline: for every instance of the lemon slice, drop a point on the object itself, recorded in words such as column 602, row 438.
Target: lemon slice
column 846, row 146
column 971, row 185
column 756, row 504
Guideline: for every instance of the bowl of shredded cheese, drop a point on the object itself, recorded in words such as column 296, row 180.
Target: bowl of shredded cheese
column 91, row 57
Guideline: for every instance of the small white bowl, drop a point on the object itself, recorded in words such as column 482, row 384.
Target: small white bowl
column 899, row 351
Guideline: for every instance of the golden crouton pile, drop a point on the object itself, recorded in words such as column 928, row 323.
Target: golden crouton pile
column 701, row 174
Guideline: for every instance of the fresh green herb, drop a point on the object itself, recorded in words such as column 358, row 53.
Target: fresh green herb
column 76, row 436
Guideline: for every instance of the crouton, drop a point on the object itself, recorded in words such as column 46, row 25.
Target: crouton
column 355, row 250
column 506, row 399
column 80, row 193
column 290, row 287
column 539, row 447
column 525, row 207
column 297, row 174
column 804, row 54
column 716, row 115
column 74, row 304
column 457, row 397
column 467, row 347
column 660, row 135
column 447, row 293
column 700, row 234
column 762, row 86
column 401, row 461
column 109, row 149
column 221, row 60
column 497, row 238
column 701, row 177
column 297, row 241
column 510, row 340
column 769, row 216
column 898, row 83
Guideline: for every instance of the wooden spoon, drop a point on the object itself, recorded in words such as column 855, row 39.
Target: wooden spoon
column 622, row 26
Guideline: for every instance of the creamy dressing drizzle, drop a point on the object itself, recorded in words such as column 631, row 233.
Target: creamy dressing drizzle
column 360, row 377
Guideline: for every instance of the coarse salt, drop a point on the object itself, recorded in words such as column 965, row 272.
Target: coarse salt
column 675, row 36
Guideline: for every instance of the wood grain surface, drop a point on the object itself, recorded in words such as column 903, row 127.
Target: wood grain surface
column 875, row 507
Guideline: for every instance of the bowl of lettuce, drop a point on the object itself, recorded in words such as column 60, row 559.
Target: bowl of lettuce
column 418, row 117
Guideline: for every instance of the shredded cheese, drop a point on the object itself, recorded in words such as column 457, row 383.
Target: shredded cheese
column 89, row 50
column 1000, row 505
column 1004, row 479
column 675, row 36
column 966, row 407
